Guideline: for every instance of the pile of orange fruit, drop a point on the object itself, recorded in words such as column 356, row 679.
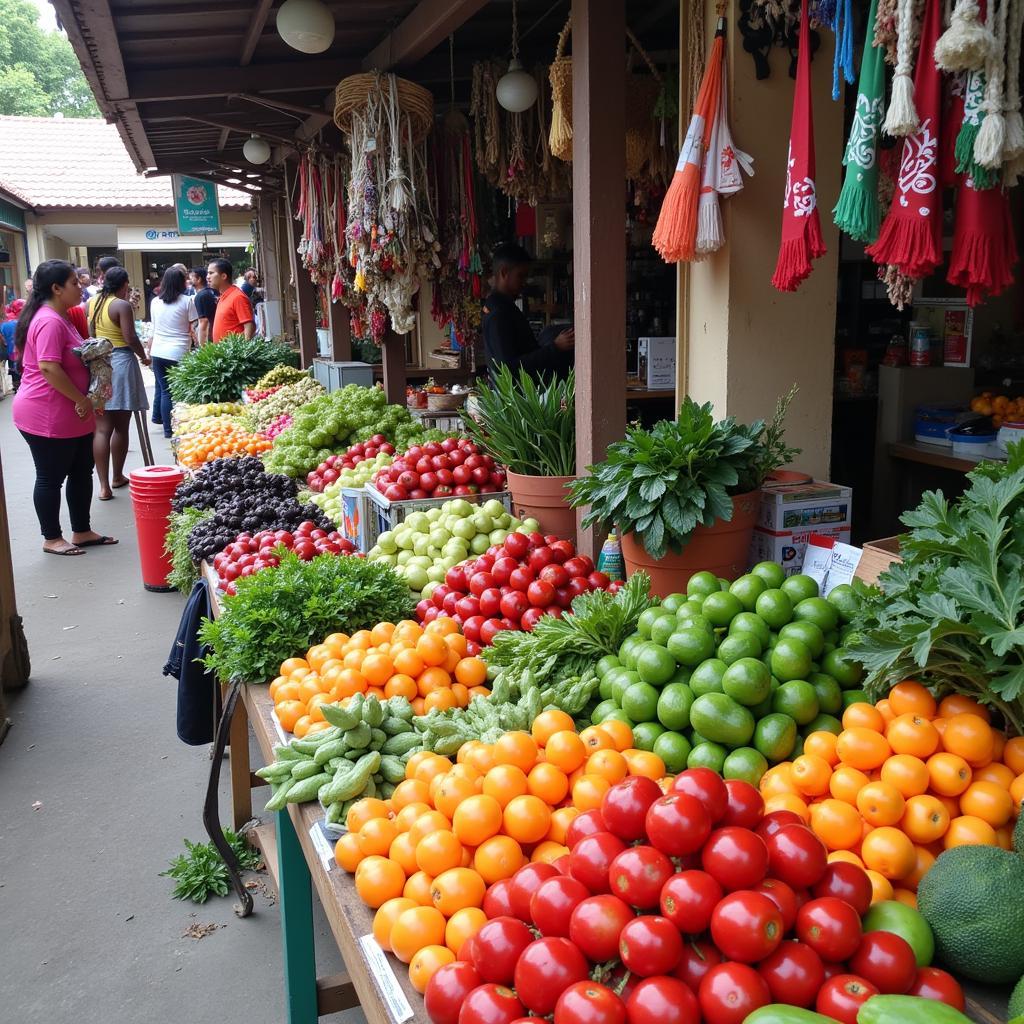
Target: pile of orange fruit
column 219, row 441
column 1001, row 408
column 425, row 857
column 906, row 779
column 428, row 665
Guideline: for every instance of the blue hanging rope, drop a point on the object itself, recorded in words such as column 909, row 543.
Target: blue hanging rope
column 842, row 26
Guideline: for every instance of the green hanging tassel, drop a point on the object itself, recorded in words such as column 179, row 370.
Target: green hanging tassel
column 974, row 94
column 858, row 212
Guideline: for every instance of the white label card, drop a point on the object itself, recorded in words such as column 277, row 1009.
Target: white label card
column 323, row 845
column 391, row 992
column 845, row 559
column 280, row 732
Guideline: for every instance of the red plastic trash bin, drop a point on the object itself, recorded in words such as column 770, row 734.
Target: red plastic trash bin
column 152, row 489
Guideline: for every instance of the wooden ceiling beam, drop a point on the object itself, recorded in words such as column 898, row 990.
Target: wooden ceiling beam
column 428, row 24
column 275, row 104
column 154, row 86
column 257, row 23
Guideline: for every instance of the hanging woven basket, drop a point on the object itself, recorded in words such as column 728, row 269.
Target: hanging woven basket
column 642, row 91
column 352, row 95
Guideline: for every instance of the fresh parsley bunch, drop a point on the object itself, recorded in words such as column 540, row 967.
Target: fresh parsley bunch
column 201, row 872
column 952, row 613
column 280, row 612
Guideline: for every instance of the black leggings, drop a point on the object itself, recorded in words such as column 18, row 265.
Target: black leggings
column 58, row 459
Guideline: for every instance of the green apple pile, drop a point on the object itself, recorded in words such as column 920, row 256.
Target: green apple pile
column 424, row 547
column 732, row 676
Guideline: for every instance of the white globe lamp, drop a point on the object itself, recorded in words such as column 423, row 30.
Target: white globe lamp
column 516, row 90
column 306, row 25
column 256, row 150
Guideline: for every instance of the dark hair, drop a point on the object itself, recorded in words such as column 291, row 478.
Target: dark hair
column 49, row 274
column 83, row 270
column 113, row 281
column 172, row 287
column 105, row 263
column 200, row 272
column 508, row 255
column 223, row 265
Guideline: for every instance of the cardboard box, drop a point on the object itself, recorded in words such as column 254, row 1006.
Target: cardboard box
column 877, row 556
column 802, row 506
column 657, row 361
column 358, row 521
column 787, row 547
column 386, row 515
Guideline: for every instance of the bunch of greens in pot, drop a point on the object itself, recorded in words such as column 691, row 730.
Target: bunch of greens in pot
column 529, row 427
column 662, row 484
column 952, row 613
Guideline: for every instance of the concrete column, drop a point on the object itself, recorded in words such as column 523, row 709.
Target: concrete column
column 746, row 342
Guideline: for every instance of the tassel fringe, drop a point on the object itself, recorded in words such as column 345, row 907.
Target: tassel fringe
column 857, row 212
column 982, row 259
column 677, row 222
column 908, row 245
column 795, row 255
column 988, row 146
column 710, row 233
column 965, row 161
column 967, row 43
column 901, row 117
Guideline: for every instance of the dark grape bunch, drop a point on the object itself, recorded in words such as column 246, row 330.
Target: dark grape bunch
column 220, row 482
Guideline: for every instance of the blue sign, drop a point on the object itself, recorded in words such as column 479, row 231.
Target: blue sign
column 195, row 205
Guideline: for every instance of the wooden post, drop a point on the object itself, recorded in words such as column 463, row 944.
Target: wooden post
column 269, row 265
column 341, row 332
column 599, row 232
column 301, row 282
column 393, row 349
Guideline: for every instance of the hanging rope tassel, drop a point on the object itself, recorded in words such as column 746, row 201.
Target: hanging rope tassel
column 901, row 118
column 988, row 147
column 967, row 43
column 842, row 26
column 1013, row 145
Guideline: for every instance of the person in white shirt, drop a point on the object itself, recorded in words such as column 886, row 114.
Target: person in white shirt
column 172, row 313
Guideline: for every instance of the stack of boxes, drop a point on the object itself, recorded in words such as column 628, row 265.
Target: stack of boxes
column 790, row 513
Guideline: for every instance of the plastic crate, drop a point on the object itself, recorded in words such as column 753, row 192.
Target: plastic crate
column 386, row 515
column 358, row 521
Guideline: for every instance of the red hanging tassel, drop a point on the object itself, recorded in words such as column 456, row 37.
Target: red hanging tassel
column 984, row 249
column 911, row 234
column 801, row 222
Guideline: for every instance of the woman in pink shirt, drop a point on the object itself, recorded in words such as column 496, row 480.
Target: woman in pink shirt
column 51, row 408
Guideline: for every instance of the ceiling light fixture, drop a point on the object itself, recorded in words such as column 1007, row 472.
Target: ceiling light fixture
column 306, row 25
column 516, row 89
column 256, row 150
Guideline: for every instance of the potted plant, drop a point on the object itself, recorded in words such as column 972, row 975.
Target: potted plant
column 530, row 427
column 685, row 494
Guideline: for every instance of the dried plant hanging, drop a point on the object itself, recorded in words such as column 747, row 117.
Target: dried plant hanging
column 319, row 204
column 767, row 23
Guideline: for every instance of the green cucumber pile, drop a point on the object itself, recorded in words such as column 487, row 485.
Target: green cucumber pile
column 363, row 754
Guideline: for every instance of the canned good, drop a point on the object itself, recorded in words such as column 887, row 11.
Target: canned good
column 920, row 347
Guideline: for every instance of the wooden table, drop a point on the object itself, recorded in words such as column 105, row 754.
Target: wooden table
column 930, row 455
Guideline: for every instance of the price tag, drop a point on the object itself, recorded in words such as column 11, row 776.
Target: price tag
column 280, row 731
column 391, row 992
column 323, row 845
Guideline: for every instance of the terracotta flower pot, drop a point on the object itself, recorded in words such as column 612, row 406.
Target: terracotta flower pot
column 788, row 476
column 545, row 499
column 723, row 548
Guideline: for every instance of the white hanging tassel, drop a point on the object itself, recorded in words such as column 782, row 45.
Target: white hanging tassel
column 710, row 233
column 988, row 146
column 729, row 158
column 1013, row 144
column 901, row 117
column 967, row 43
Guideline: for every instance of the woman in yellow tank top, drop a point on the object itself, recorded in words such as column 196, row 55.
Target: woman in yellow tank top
column 112, row 317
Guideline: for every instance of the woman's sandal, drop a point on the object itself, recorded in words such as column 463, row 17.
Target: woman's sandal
column 104, row 542
column 74, row 549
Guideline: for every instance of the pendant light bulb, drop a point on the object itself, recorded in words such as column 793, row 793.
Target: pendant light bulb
column 256, row 150
column 306, row 25
column 516, row 90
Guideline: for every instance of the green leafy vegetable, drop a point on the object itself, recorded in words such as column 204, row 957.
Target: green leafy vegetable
column 282, row 611
column 218, row 373
column 662, row 484
column 952, row 613
column 183, row 572
column 201, row 872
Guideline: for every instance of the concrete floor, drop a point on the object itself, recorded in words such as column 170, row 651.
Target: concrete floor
column 97, row 794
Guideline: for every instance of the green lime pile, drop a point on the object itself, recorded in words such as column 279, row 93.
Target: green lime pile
column 733, row 676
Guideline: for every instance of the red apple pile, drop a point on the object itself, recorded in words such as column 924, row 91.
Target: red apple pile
column 454, row 467
column 329, row 470
column 512, row 585
column 258, row 394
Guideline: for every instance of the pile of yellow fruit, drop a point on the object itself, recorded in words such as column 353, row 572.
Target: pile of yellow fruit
column 1001, row 408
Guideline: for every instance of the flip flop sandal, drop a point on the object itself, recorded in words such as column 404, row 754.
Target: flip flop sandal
column 75, row 549
column 104, row 542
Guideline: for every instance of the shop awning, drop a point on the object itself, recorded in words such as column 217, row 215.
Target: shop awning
column 166, row 239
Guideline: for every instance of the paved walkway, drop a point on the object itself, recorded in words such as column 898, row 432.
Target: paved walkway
column 96, row 794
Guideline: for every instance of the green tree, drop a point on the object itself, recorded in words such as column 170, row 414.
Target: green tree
column 39, row 72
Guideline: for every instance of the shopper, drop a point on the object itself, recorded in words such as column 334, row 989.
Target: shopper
column 85, row 279
column 52, row 411
column 172, row 313
column 508, row 336
column 112, row 317
column 234, row 312
column 103, row 264
column 8, row 351
column 206, row 304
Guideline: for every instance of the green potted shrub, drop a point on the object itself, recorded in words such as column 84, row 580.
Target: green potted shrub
column 530, row 427
column 684, row 495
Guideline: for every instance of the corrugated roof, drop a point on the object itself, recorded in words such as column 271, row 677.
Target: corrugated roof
column 68, row 163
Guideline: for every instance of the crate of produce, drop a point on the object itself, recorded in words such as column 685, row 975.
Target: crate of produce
column 388, row 514
column 876, row 557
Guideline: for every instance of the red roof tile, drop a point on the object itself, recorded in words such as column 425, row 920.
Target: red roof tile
column 80, row 162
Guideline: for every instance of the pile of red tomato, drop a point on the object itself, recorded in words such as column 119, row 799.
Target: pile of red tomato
column 678, row 908
column 453, row 467
column 512, row 585
column 330, row 469
column 250, row 552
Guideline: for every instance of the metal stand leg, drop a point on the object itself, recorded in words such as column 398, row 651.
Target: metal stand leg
column 298, row 952
column 143, row 431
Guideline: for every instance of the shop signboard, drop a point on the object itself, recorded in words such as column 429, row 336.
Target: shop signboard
column 195, row 205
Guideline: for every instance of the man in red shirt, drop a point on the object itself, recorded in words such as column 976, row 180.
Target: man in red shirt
column 234, row 312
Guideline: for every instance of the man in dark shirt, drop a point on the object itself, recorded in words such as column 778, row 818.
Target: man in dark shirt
column 508, row 337
column 206, row 304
